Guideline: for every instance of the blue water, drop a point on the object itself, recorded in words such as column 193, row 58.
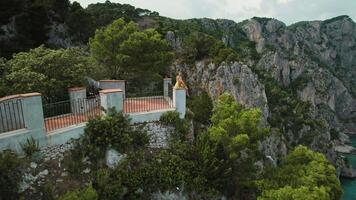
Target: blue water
column 349, row 185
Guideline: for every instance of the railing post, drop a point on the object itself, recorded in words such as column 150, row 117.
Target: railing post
column 77, row 98
column 166, row 83
column 113, row 84
column 179, row 101
column 112, row 98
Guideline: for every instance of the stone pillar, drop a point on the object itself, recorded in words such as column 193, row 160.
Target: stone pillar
column 166, row 83
column 33, row 112
column 179, row 101
column 21, row 111
column 29, row 123
column 113, row 84
column 112, row 98
column 77, row 97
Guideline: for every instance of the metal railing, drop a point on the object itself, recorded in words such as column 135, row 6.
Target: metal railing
column 67, row 113
column 11, row 116
column 170, row 90
column 145, row 102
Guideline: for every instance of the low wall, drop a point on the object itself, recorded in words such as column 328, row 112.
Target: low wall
column 62, row 136
column 151, row 116
column 12, row 140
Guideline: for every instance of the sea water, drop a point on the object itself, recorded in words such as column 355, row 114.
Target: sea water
column 349, row 185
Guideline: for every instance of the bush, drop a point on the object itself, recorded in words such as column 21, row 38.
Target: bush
column 85, row 194
column 202, row 106
column 111, row 131
column 181, row 125
column 73, row 161
column 302, row 174
column 47, row 191
column 30, row 147
column 10, row 175
column 142, row 174
column 170, row 117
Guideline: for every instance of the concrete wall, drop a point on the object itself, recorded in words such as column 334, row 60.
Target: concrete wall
column 64, row 135
column 148, row 116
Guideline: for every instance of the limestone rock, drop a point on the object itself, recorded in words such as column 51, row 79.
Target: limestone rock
column 113, row 158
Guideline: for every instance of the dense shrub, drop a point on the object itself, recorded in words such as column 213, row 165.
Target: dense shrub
column 198, row 46
column 139, row 55
column 50, row 72
column 170, row 117
column 48, row 191
column 229, row 149
column 141, row 175
column 113, row 130
column 201, row 105
column 85, row 194
column 73, row 160
column 303, row 174
column 10, row 175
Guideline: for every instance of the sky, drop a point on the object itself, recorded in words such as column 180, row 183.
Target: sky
column 288, row 11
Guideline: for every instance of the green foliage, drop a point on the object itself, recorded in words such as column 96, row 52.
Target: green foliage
column 128, row 53
column 73, row 160
column 80, row 23
column 334, row 133
column 10, row 175
column 170, row 117
column 9, row 8
column 50, row 72
column 105, row 13
column 181, row 125
column 262, row 20
column 198, row 46
column 201, row 105
column 30, row 147
column 111, row 131
column 87, row 193
column 142, row 174
column 303, row 174
column 230, row 147
column 301, row 193
column 32, row 19
column 47, row 190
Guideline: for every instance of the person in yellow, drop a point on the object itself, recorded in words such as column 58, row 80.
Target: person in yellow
column 180, row 83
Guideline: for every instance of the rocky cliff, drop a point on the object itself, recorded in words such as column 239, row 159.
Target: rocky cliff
column 311, row 65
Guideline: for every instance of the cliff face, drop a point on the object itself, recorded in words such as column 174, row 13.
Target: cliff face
column 314, row 62
column 321, row 55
